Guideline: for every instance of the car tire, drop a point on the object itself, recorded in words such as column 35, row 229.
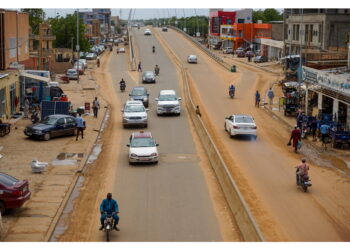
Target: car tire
column 2, row 207
column 231, row 136
column 47, row 136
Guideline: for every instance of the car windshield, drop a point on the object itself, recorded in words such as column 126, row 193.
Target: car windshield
column 134, row 108
column 142, row 142
column 243, row 119
column 49, row 120
column 7, row 180
column 149, row 74
column 167, row 98
column 71, row 71
column 138, row 92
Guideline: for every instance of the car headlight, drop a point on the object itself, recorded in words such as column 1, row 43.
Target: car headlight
column 144, row 99
column 143, row 117
column 154, row 154
column 38, row 132
column 133, row 155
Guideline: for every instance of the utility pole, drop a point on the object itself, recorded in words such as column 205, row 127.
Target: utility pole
column 185, row 29
column 301, row 63
column 78, row 47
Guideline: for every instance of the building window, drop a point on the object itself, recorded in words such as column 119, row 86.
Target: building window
column 306, row 34
column 320, row 33
column 294, row 32
column 311, row 32
column 297, row 32
column 12, row 47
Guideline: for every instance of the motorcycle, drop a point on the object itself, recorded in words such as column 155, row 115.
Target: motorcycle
column 35, row 117
column 153, row 50
column 303, row 181
column 108, row 225
column 122, row 87
column 232, row 93
column 156, row 71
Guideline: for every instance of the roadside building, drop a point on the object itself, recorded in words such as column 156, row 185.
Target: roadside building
column 325, row 29
column 9, row 93
column 100, row 18
column 14, row 37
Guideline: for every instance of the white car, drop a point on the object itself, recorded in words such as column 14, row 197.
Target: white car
column 72, row 74
column 227, row 50
column 147, row 32
column 240, row 125
column 134, row 114
column 84, row 62
column 192, row 59
column 121, row 50
column 91, row 56
column 168, row 103
column 142, row 148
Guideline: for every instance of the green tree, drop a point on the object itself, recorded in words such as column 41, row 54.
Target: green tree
column 267, row 15
column 65, row 30
column 36, row 17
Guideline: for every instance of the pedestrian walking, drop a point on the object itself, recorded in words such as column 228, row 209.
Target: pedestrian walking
column 324, row 129
column 26, row 108
column 296, row 137
column 139, row 69
column 257, row 99
column 270, row 95
column 198, row 112
column 95, row 107
column 98, row 62
column 80, row 126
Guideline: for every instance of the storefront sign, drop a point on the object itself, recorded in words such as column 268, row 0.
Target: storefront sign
column 339, row 83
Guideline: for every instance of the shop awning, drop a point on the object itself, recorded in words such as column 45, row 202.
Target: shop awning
column 35, row 77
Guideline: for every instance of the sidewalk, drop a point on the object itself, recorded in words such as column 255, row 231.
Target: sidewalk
column 65, row 156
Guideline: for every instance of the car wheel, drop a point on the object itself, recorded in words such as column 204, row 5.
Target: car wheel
column 231, row 136
column 2, row 207
column 47, row 136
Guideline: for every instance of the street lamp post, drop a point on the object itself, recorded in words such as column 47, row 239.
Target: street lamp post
column 78, row 47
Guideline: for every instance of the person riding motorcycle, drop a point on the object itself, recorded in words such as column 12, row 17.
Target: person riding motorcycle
column 153, row 49
column 231, row 90
column 98, row 62
column 156, row 70
column 302, row 170
column 122, row 83
column 109, row 206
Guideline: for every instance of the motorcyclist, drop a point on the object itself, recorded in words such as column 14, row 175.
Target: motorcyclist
column 302, row 170
column 122, row 83
column 109, row 206
column 232, row 89
column 153, row 49
column 156, row 70
column 98, row 62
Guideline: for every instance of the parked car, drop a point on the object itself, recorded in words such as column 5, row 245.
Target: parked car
column 142, row 148
column 165, row 29
column 260, row 59
column 72, row 74
column 91, row 56
column 192, row 59
column 227, row 50
column 250, row 53
column 78, row 66
column 240, row 125
column 84, row 62
column 52, row 126
column 134, row 114
column 239, row 50
column 240, row 53
column 82, row 55
column 140, row 94
column 121, row 50
column 148, row 76
column 168, row 102
column 147, row 32
column 13, row 192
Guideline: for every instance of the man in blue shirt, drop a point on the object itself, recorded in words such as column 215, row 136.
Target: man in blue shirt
column 324, row 129
column 109, row 206
column 80, row 126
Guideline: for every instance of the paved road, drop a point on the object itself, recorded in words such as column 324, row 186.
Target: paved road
column 320, row 215
column 168, row 201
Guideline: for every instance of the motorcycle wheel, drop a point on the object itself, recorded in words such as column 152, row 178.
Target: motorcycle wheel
column 107, row 235
column 304, row 188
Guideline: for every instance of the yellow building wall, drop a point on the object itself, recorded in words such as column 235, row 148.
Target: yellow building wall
column 5, row 83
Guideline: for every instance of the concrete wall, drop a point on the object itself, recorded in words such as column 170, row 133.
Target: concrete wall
column 277, row 31
column 16, row 27
column 337, row 27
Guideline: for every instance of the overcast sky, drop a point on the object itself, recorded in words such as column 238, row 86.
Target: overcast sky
column 139, row 13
